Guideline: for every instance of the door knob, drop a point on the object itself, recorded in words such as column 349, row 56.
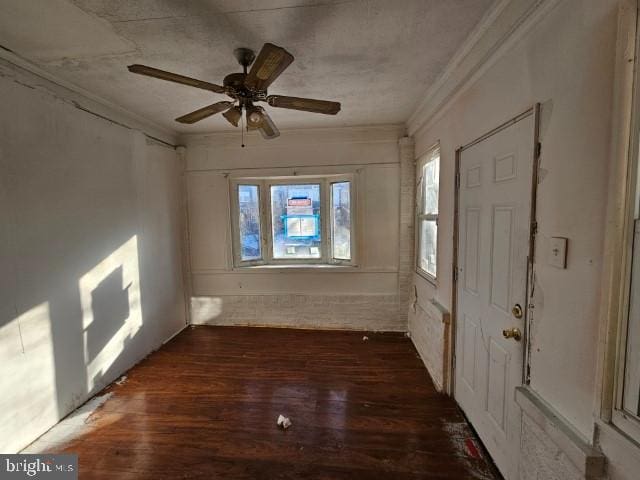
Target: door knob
column 517, row 310
column 512, row 333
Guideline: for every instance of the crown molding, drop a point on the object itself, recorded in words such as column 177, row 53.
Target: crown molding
column 301, row 136
column 504, row 24
column 30, row 75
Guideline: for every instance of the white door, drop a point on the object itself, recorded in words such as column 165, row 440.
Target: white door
column 493, row 246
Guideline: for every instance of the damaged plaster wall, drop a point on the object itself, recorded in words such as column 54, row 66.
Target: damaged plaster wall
column 364, row 297
column 565, row 62
column 89, row 253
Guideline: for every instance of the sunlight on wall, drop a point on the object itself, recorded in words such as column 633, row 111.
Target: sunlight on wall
column 100, row 353
column 205, row 309
column 27, row 378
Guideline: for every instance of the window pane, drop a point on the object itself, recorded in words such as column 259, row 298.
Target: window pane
column 430, row 181
column 341, row 220
column 631, row 399
column 249, row 222
column 428, row 246
column 295, row 216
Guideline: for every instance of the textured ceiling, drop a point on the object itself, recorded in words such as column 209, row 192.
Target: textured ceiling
column 376, row 57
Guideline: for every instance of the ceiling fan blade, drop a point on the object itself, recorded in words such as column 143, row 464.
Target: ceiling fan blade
column 270, row 63
column 174, row 77
column 268, row 129
column 204, row 112
column 304, row 104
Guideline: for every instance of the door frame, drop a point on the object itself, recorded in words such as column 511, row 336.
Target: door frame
column 533, row 229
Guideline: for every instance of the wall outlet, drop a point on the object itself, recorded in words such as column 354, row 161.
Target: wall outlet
column 558, row 252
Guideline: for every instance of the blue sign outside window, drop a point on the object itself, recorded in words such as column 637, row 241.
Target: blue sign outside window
column 302, row 226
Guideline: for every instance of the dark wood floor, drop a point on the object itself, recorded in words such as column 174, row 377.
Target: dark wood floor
column 205, row 406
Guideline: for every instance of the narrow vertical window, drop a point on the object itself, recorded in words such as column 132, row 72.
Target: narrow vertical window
column 626, row 412
column 341, row 220
column 295, row 221
column 249, row 222
column 625, row 407
column 427, row 225
column 631, row 391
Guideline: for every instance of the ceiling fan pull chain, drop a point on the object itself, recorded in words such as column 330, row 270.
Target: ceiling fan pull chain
column 242, row 130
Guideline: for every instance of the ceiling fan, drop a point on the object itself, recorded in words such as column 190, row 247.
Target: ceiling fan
column 246, row 89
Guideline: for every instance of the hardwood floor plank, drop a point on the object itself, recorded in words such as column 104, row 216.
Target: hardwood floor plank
column 205, row 406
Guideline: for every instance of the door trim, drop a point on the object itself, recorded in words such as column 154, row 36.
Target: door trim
column 533, row 226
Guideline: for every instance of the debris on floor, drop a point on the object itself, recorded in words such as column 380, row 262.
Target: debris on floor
column 78, row 423
column 283, row 422
column 472, row 448
column 365, row 339
column 121, row 380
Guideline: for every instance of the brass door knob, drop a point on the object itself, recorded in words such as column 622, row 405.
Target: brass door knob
column 517, row 311
column 512, row 333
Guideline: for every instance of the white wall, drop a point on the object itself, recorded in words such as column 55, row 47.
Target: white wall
column 90, row 277
column 365, row 297
column 566, row 62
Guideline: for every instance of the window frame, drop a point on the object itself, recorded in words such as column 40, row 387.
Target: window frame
column 235, row 223
column 431, row 155
column 352, row 225
column 622, row 419
column 614, row 412
column 264, row 184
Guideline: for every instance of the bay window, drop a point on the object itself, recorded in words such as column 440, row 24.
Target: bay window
column 293, row 220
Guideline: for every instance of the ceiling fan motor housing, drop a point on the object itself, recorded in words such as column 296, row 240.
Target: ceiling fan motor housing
column 236, row 88
column 235, row 80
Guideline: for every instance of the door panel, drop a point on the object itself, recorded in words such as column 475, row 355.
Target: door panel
column 472, row 247
column 501, row 258
column 497, row 381
column 493, row 243
column 469, row 353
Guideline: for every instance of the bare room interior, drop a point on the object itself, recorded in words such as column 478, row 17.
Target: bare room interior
column 320, row 239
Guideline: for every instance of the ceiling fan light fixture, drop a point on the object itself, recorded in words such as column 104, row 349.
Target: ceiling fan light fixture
column 255, row 118
column 233, row 115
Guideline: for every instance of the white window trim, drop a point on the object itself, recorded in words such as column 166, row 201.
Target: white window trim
column 352, row 211
column 628, row 423
column 264, row 191
column 429, row 156
column 613, row 431
column 235, row 227
column 613, row 410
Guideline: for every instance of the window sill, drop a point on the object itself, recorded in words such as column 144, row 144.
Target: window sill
column 618, row 446
column 426, row 277
column 302, row 267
